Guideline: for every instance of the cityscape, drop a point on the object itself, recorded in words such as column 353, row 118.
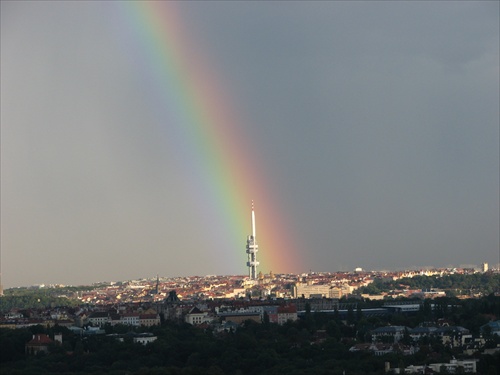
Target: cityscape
column 135, row 135
column 249, row 187
column 265, row 287
column 386, row 315
column 391, row 316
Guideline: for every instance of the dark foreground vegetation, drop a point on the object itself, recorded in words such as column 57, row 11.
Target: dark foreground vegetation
column 453, row 284
column 33, row 298
column 316, row 344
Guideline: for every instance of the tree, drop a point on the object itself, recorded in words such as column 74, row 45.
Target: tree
column 401, row 366
column 407, row 340
column 359, row 313
column 336, row 314
column 333, row 330
column 350, row 315
column 266, row 319
column 309, row 319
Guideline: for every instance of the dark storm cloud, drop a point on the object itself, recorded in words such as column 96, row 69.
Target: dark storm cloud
column 381, row 119
column 377, row 124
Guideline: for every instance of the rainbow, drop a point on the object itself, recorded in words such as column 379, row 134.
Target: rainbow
column 188, row 85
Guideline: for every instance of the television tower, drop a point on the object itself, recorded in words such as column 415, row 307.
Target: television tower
column 252, row 249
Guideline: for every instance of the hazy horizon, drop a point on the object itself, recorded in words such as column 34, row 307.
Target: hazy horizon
column 153, row 278
column 134, row 137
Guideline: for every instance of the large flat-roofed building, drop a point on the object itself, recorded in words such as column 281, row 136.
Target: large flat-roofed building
column 195, row 316
column 400, row 308
column 301, row 290
column 468, row 366
column 395, row 332
column 286, row 313
column 99, row 318
column 240, row 317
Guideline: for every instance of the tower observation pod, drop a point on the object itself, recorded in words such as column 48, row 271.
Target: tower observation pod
column 252, row 249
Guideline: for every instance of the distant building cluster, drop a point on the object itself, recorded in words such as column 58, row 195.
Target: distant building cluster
column 222, row 316
column 41, row 343
column 454, row 366
column 333, row 285
column 273, row 286
column 148, row 318
column 93, row 319
column 222, row 304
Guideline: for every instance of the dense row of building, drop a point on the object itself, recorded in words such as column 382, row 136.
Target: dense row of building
column 274, row 286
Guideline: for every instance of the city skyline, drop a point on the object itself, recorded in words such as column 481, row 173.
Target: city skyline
column 284, row 278
column 135, row 135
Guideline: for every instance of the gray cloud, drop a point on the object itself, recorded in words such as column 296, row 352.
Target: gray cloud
column 377, row 124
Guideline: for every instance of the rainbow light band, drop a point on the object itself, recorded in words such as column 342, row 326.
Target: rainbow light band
column 186, row 82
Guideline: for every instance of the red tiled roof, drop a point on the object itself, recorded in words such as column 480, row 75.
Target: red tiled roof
column 287, row 309
column 40, row 339
column 148, row 316
column 130, row 315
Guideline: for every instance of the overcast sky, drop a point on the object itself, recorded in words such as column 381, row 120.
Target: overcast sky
column 376, row 125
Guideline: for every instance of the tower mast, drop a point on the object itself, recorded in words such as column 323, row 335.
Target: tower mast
column 253, row 221
column 252, row 249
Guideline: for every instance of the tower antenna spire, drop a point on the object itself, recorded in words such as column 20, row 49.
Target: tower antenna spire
column 253, row 221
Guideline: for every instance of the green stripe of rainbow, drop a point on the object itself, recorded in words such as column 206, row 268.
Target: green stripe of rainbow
column 232, row 178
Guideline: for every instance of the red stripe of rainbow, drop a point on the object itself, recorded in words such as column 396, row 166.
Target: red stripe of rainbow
column 233, row 178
